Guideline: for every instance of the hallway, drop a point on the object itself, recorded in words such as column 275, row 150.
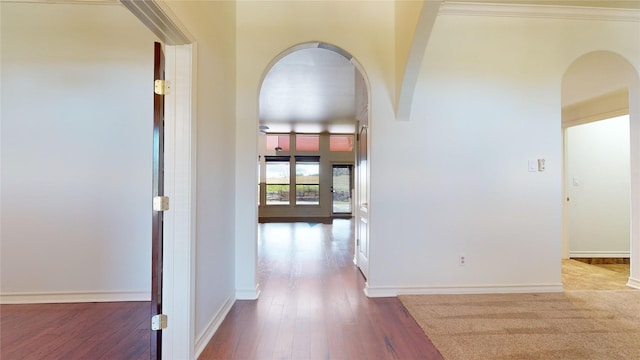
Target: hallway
column 312, row 304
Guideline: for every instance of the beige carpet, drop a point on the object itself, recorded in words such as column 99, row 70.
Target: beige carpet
column 570, row 325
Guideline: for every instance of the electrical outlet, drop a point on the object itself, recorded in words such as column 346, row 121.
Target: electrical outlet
column 462, row 260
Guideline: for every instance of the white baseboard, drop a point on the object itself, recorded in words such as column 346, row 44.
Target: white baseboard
column 73, row 297
column 472, row 289
column 248, row 294
column 634, row 283
column 214, row 324
column 599, row 254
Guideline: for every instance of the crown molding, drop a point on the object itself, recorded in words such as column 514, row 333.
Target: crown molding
column 540, row 11
column 71, row 2
column 159, row 18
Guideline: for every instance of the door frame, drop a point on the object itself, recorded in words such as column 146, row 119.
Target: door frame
column 179, row 232
column 178, row 286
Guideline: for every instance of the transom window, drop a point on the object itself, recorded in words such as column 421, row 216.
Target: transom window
column 307, row 143
column 341, row 143
column 278, row 142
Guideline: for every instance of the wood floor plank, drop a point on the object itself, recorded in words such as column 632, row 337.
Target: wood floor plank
column 75, row 331
column 308, row 270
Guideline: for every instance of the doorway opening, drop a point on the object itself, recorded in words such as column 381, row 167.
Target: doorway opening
column 599, row 204
column 342, row 191
column 314, row 99
column 597, row 175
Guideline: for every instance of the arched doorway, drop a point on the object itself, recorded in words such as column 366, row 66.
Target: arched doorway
column 312, row 96
column 598, row 86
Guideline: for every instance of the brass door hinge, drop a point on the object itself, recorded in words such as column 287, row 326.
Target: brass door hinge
column 159, row 322
column 160, row 203
column 161, row 87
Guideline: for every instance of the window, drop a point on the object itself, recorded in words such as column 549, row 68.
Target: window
column 277, row 180
column 341, row 142
column 308, row 143
column 307, row 180
column 278, row 142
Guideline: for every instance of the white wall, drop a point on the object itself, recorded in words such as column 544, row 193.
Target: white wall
column 488, row 100
column 598, row 184
column 265, row 29
column 212, row 23
column 76, row 154
column 453, row 180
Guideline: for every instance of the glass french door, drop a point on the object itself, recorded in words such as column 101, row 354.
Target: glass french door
column 342, row 190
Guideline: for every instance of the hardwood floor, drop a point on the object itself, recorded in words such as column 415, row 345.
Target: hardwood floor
column 312, row 304
column 312, row 307
column 75, row 331
column 578, row 275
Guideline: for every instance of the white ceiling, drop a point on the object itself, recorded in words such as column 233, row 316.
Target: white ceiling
column 310, row 90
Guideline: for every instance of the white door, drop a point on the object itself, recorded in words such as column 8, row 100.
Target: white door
column 362, row 205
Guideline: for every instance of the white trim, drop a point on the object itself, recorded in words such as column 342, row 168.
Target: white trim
column 634, row 283
column 159, row 18
column 596, row 117
column 248, row 294
column 384, row 291
column 61, row 297
column 179, row 240
column 599, row 254
column 213, row 326
column 540, row 11
column 613, row 104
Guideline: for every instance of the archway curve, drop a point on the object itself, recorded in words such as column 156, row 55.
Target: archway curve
column 595, row 74
column 319, row 45
column 363, row 124
column 610, row 84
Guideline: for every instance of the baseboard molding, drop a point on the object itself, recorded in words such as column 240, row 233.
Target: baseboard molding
column 599, row 254
column 634, row 283
column 248, row 294
column 602, row 261
column 449, row 290
column 74, row 297
column 287, row 219
column 214, row 324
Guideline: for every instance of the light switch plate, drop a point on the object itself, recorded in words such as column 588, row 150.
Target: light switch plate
column 533, row 165
column 541, row 165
